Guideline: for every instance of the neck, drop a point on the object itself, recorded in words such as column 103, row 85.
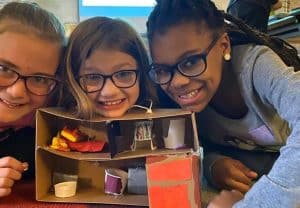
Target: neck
column 228, row 99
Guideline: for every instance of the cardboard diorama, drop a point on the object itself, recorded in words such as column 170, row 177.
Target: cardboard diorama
column 104, row 160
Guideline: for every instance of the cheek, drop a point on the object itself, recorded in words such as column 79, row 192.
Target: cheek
column 92, row 96
column 133, row 94
column 166, row 89
column 38, row 101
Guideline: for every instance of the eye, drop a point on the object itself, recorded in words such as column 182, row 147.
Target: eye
column 121, row 74
column 124, row 75
column 6, row 71
column 90, row 79
column 191, row 61
column 38, row 80
column 160, row 70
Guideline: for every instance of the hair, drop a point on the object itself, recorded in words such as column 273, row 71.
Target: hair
column 31, row 19
column 169, row 13
column 24, row 16
column 108, row 34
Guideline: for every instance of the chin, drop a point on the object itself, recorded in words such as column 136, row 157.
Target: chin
column 112, row 114
column 7, row 117
column 194, row 108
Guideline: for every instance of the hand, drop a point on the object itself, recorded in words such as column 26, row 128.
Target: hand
column 10, row 171
column 225, row 199
column 276, row 6
column 228, row 173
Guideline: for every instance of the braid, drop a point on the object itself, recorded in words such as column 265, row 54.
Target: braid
column 168, row 13
column 241, row 33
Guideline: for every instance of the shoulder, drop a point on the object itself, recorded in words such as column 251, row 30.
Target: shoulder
column 248, row 54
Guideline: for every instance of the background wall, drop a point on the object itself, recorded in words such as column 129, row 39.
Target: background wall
column 67, row 10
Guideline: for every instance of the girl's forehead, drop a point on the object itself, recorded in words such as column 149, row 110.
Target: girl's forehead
column 178, row 41
column 184, row 31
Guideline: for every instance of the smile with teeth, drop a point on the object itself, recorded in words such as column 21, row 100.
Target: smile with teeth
column 11, row 105
column 189, row 95
column 110, row 103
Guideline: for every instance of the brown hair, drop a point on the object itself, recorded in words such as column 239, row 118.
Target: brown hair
column 104, row 33
column 30, row 18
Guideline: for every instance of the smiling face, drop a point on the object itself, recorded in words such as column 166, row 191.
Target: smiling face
column 191, row 93
column 111, row 101
column 28, row 55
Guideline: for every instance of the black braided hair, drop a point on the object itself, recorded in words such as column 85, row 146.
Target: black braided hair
column 168, row 13
column 239, row 32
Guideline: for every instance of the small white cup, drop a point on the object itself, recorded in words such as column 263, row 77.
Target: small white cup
column 65, row 189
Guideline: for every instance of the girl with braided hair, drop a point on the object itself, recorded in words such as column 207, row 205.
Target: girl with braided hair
column 245, row 89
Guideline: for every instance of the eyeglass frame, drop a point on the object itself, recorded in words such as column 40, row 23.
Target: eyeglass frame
column 176, row 67
column 105, row 77
column 25, row 78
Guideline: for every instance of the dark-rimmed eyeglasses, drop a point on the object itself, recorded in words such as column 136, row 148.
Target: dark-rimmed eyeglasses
column 191, row 66
column 36, row 84
column 95, row 82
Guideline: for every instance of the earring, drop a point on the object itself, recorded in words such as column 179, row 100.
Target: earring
column 227, row 56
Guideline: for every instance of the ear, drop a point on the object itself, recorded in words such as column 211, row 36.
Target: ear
column 225, row 44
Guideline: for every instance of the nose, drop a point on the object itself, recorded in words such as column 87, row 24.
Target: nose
column 18, row 89
column 109, row 89
column 179, row 80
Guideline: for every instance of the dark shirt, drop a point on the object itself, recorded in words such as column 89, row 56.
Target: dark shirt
column 20, row 144
column 255, row 13
column 267, row 4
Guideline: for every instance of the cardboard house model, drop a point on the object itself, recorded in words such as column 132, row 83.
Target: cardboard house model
column 132, row 143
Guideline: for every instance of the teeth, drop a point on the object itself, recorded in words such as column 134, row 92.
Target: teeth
column 189, row 95
column 116, row 102
column 11, row 105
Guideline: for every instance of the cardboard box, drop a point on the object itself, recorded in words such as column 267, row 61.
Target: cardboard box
column 90, row 167
column 173, row 181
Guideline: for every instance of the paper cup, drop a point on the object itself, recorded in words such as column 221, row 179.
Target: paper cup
column 65, row 189
column 176, row 133
column 115, row 181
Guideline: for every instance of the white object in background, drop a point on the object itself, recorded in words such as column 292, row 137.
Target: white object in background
column 176, row 134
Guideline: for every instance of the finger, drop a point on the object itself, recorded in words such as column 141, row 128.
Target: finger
column 241, row 187
column 10, row 173
column 6, row 183
column 5, row 191
column 236, row 174
column 247, row 171
column 10, row 162
column 237, row 193
column 252, row 174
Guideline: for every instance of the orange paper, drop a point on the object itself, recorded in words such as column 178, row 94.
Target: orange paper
column 162, row 197
column 173, row 181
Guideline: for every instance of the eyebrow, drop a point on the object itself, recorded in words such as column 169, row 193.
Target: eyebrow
column 92, row 68
column 188, row 53
column 16, row 68
column 182, row 57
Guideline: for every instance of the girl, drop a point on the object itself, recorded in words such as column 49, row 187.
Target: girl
column 246, row 89
column 106, row 62
column 31, row 41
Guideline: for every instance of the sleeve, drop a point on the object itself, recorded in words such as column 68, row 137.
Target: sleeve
column 279, row 86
